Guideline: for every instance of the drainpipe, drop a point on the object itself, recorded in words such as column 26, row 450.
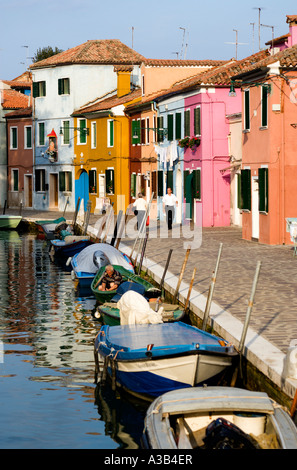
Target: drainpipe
column 282, row 169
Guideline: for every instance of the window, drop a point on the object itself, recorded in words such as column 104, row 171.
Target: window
column 13, row 138
column 246, row 189
column 263, row 189
column 147, row 130
column 187, row 123
column 169, row 180
column 197, row 183
column 136, row 132
column 143, row 131
column 28, row 137
column 170, row 127
column 93, row 135
column 247, row 110
column 41, row 133
column 109, row 181
column 110, row 133
column 197, row 121
column 264, row 106
column 39, row 180
column 160, row 183
column 65, row 132
column 160, row 127
column 178, row 125
column 15, row 180
column 82, row 133
column 63, row 86
column 154, row 184
column 65, row 181
column 93, row 181
column 39, row 89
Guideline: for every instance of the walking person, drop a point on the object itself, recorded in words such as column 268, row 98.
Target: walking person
column 169, row 203
column 140, row 206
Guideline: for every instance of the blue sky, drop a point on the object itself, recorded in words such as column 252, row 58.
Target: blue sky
column 207, row 27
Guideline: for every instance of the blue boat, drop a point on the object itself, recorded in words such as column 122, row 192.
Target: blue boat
column 86, row 264
column 148, row 360
column 70, row 246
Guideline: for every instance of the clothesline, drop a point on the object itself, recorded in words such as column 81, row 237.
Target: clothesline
column 168, row 153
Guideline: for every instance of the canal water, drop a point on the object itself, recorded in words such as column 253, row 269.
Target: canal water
column 48, row 398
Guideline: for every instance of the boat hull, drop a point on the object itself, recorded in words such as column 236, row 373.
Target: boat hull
column 9, row 222
column 182, row 356
column 111, row 315
column 70, row 249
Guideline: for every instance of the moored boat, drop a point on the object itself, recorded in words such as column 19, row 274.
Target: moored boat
column 9, row 221
column 150, row 359
column 71, row 245
column 48, row 227
column 217, row 418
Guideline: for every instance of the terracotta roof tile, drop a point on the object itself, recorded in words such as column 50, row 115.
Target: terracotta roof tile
column 12, row 99
column 105, row 51
column 183, row 63
column 108, row 103
column 26, row 112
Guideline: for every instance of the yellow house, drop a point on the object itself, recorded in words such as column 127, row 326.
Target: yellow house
column 101, row 149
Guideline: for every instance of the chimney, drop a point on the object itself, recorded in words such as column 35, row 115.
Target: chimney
column 124, row 79
column 292, row 21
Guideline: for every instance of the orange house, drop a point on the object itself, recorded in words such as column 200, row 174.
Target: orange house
column 269, row 155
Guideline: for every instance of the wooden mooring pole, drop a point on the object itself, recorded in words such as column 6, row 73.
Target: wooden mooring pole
column 211, row 289
column 181, row 275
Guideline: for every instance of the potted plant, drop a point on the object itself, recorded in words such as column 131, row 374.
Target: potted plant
column 189, row 142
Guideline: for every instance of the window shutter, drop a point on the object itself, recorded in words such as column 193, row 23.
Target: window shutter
column 35, row 89
column 111, row 133
column 62, row 178
column 170, row 126
column 246, row 189
column 60, row 86
column 37, row 180
column 186, row 173
column 41, row 133
column 247, row 109
column 197, row 128
column 197, row 184
column 160, row 135
column 135, row 132
column 189, row 196
column 264, row 106
column 70, row 181
column 169, row 179
column 178, row 125
column 263, row 189
column 239, row 198
column 160, row 183
column 133, row 185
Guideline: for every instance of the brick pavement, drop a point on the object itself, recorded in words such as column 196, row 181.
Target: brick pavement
column 275, row 305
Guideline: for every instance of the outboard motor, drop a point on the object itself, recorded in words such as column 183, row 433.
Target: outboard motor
column 100, row 259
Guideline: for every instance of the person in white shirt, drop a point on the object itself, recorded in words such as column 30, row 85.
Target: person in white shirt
column 169, row 203
column 140, row 206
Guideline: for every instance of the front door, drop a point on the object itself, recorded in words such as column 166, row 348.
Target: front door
column 28, row 190
column 82, row 189
column 255, row 207
column 53, row 191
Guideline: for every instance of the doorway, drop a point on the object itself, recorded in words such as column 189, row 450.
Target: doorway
column 53, row 191
column 255, row 208
column 28, row 190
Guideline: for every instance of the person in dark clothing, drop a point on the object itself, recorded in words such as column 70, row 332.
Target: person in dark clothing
column 110, row 280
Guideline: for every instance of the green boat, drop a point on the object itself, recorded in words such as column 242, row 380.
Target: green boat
column 110, row 314
column 9, row 221
column 106, row 296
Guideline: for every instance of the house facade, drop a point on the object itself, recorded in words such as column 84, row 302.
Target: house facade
column 62, row 84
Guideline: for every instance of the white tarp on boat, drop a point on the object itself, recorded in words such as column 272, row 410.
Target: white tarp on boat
column 135, row 309
column 85, row 259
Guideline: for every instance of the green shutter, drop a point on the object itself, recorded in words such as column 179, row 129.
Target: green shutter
column 43, row 84
column 111, row 134
column 62, row 178
column 160, row 135
column 41, row 133
column 197, row 126
column 35, row 89
column 247, row 109
column 239, row 198
column 29, row 137
column 187, row 123
column 189, row 196
column 264, row 106
column 170, row 126
column 246, row 189
column 135, row 132
column 169, row 179
column 178, row 125
column 82, row 131
column 133, row 185
column 14, row 138
column 66, row 132
column 60, row 86
column 263, row 189
column 186, row 173
column 160, row 183
column 197, row 184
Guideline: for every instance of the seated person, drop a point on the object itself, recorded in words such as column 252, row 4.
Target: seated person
column 110, row 280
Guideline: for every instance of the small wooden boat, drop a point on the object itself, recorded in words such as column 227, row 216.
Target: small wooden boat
column 217, row 418
column 48, row 227
column 107, row 296
column 150, row 359
column 110, row 313
column 9, row 221
column 70, row 246
column 88, row 261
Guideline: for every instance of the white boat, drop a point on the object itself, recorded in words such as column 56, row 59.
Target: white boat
column 218, row 418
